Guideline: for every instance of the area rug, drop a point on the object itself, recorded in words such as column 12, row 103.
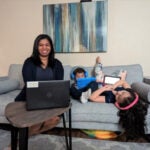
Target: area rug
column 53, row 142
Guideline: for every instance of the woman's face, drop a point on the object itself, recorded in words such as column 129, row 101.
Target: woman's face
column 44, row 48
column 121, row 95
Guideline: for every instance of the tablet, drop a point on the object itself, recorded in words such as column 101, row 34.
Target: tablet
column 110, row 79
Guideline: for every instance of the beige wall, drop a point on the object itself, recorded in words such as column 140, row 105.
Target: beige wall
column 128, row 33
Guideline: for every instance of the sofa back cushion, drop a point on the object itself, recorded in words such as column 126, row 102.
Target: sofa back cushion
column 134, row 71
column 67, row 71
column 15, row 72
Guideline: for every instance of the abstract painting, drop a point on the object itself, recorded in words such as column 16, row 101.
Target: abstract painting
column 77, row 27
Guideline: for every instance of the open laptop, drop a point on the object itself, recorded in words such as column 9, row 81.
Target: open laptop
column 47, row 94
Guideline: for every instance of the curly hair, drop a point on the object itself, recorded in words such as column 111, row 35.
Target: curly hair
column 133, row 119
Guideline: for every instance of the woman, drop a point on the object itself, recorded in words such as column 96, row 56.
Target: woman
column 41, row 65
column 132, row 110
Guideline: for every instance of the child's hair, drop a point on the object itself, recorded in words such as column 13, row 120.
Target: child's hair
column 78, row 70
column 128, row 101
column 133, row 119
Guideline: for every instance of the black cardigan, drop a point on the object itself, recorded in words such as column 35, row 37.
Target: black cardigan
column 29, row 74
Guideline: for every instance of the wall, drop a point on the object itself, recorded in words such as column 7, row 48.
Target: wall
column 128, row 33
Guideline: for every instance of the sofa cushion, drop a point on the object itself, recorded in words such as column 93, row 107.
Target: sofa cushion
column 94, row 112
column 67, row 70
column 7, row 98
column 8, row 85
column 15, row 72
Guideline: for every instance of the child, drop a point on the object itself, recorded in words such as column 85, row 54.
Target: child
column 82, row 94
column 105, row 94
column 132, row 111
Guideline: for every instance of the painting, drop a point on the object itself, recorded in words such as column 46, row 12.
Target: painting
column 77, row 27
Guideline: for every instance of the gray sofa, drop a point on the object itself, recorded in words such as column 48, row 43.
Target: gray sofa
column 90, row 115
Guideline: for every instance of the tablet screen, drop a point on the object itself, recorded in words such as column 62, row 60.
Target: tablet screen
column 111, row 79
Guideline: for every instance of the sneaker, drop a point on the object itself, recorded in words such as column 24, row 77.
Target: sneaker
column 88, row 93
column 83, row 98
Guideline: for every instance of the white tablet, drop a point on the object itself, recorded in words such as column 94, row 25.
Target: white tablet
column 110, row 79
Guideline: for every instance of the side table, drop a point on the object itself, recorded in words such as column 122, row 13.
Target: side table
column 21, row 120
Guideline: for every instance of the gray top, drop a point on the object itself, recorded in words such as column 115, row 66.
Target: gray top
column 44, row 74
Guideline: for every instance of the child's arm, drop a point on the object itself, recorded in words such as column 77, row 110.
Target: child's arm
column 96, row 95
column 122, row 82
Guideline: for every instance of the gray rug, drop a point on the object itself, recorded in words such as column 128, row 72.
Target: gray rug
column 51, row 142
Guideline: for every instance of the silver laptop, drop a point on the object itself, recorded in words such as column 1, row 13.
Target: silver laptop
column 47, row 94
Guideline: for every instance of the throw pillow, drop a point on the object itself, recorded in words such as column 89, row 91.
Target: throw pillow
column 142, row 89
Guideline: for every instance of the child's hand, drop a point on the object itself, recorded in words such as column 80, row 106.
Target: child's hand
column 108, row 87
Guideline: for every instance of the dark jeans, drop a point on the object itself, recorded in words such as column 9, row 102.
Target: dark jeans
column 76, row 93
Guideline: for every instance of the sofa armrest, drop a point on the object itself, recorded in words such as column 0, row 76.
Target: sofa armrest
column 142, row 89
column 8, row 85
column 2, row 78
column 146, row 79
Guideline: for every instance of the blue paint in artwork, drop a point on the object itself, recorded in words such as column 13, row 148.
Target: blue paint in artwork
column 83, row 28
column 57, row 28
column 99, row 26
column 74, row 26
column 73, row 12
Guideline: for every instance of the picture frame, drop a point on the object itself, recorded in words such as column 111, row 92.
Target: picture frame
column 79, row 27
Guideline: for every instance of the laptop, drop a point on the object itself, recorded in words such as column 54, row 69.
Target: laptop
column 47, row 94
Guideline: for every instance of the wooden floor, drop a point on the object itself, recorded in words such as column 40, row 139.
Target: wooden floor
column 81, row 134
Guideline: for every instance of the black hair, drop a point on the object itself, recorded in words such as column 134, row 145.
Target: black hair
column 129, row 99
column 35, row 53
column 133, row 119
column 78, row 70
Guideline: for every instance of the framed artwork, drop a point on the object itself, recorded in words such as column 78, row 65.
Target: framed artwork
column 77, row 27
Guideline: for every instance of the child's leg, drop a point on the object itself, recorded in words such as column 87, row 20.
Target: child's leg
column 93, row 86
column 75, row 93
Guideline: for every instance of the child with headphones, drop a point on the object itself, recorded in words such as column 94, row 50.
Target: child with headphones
column 82, row 93
column 83, row 86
